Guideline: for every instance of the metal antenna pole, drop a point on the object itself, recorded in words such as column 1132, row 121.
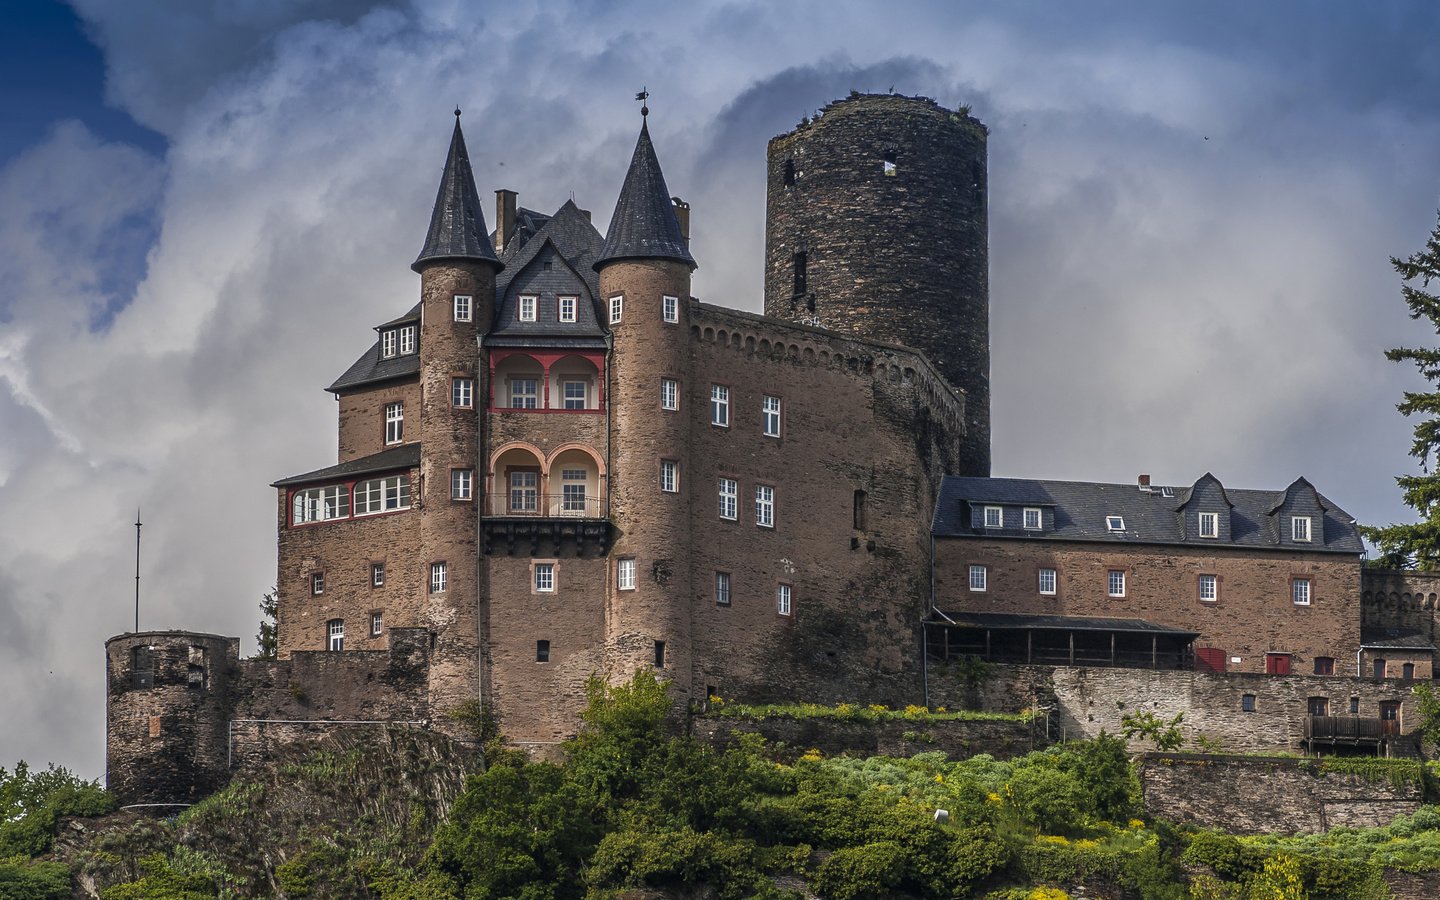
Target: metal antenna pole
column 137, row 569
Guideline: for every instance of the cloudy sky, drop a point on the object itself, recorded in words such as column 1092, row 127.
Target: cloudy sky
column 205, row 206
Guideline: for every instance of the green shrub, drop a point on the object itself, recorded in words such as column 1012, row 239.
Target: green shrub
column 634, row 859
column 31, row 804
column 25, row 879
column 1046, row 799
column 858, row 873
column 161, row 882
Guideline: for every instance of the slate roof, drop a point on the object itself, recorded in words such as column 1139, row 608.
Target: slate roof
column 1376, row 638
column 644, row 225
column 557, row 260
column 1080, row 509
column 1057, row 623
column 457, row 223
column 405, row 456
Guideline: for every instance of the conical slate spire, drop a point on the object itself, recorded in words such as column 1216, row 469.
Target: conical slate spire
column 644, row 225
column 457, row 226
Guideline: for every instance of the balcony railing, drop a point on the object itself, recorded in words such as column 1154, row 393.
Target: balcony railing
column 1349, row 728
column 533, row 505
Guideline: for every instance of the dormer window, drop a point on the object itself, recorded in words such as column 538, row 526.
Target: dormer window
column 526, row 310
column 407, row 340
column 1209, row 524
column 567, row 308
column 389, row 340
column 994, row 517
column 1300, row 529
column 1115, row 523
column 1032, row 520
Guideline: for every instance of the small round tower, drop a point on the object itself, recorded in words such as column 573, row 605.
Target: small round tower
column 876, row 224
column 167, row 715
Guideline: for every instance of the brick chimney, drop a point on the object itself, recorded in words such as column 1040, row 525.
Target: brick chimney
column 504, row 218
column 1145, row 482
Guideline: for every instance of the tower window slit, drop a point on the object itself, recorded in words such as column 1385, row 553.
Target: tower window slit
column 799, row 262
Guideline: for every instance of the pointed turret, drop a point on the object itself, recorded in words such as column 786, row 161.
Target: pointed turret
column 644, row 225
column 457, row 225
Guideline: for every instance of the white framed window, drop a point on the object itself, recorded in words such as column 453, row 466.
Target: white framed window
column 407, row 339
column 462, row 484
column 462, row 309
column 669, row 394
column 382, row 495
column 525, row 311
column 566, row 308
column 729, row 499
column 462, row 392
column 377, row 623
column 545, row 578
column 576, row 394
column 1209, row 588
column 720, row 405
column 1115, row 523
column 1300, row 529
column 524, row 491
column 524, row 393
column 389, row 341
column 335, row 631
column 1031, row 518
column 625, row 574
column 1115, row 582
column 669, row 476
column 394, row 423
column 1046, row 581
column 1209, row 524
column 770, row 416
column 572, row 490
column 764, row 506
column 722, row 588
column 782, row 600
column 994, row 517
column 670, row 309
column 317, row 583
column 320, row 504
column 1300, row 591
column 377, row 574
column 979, row 578
column 439, row 577
column 617, row 308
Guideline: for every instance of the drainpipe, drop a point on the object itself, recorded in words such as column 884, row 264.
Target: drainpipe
column 925, row 632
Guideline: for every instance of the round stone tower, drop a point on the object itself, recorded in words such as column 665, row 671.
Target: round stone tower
column 167, row 715
column 876, row 225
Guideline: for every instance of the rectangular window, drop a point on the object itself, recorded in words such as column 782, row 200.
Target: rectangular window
column 1031, row 518
column 1114, row 523
column 567, row 308
column 659, row 654
column 320, row 504
column 1209, row 524
column 526, row 310
column 1247, row 703
column 407, row 340
column 764, row 506
column 978, row 578
column 1324, row 665
column 729, row 498
column 720, row 405
column 576, row 394
column 462, row 484
column 572, row 490
column 1354, row 706
column 1300, row 529
column 389, row 340
column 617, row 307
column 782, row 599
column 377, row 574
column 669, row 476
column 524, row 393
column 462, row 308
column 770, row 416
column 1317, row 706
column 462, row 392
column 382, row 495
column 377, row 623
column 394, row 423
column 1209, row 588
column 524, row 491
column 857, row 511
column 545, row 578
column 669, row 394
column 625, row 574
column 335, row 630
column 798, row 262
column 1300, row 591
column 438, row 577
column 722, row 588
column 670, row 309
column 1116, row 582
column 317, row 583
column 1047, row 582
column 542, row 651
column 994, row 517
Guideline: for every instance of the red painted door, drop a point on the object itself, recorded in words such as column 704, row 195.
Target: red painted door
column 1277, row 664
column 1210, row 659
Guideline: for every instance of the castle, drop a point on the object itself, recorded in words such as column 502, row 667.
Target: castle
column 560, row 463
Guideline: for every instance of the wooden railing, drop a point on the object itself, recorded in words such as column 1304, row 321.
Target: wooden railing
column 1349, row 728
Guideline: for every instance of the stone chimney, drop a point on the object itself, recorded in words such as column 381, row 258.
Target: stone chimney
column 682, row 213
column 1145, row 482
column 504, row 218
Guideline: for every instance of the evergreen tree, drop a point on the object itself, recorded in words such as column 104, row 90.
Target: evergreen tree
column 267, row 642
column 1417, row 545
